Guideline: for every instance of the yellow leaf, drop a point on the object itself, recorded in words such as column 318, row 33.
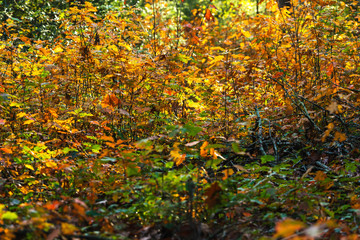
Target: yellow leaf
column 28, row 121
column 20, row 115
column 330, row 126
column 68, row 228
column 29, row 167
column 58, row 49
column 177, row 156
column 50, row 164
column 246, row 34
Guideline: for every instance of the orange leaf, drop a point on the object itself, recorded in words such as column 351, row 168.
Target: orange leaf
column 110, row 100
column 208, row 15
column 330, row 69
column 6, row 150
column 320, row 176
column 287, row 227
column 340, row 137
column 227, row 173
column 107, row 138
column 52, row 205
column 203, row 151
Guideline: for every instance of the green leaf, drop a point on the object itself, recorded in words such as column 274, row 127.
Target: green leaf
column 235, row 147
column 66, row 150
column 9, row 216
column 85, row 115
column 183, row 58
column 92, row 138
column 267, row 158
column 132, row 171
column 191, row 129
column 212, row 163
column 96, row 148
column 169, row 164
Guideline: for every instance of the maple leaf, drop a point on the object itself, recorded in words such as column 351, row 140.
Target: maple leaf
column 333, row 108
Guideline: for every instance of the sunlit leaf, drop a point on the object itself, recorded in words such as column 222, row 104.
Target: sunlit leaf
column 50, row 164
column 6, row 150
column 58, row 49
column 288, row 227
column 11, row 216
column 29, row 167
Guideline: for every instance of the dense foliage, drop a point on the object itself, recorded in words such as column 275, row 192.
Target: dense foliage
column 149, row 121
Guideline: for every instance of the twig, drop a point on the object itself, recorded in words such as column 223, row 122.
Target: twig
column 274, row 143
column 259, row 125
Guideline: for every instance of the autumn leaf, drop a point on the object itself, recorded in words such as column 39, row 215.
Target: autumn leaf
column 213, row 195
column 333, row 108
column 110, row 101
column 227, row 173
column 50, row 164
column 203, row 149
column 11, row 216
column 176, row 155
column 341, row 137
column 208, row 15
column 330, row 69
column 58, row 49
column 107, row 138
column 287, row 227
column 320, row 176
column 29, row 167
column 6, row 150
column 68, row 228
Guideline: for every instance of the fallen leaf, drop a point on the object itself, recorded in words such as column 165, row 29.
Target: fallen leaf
column 68, row 228
column 287, row 227
column 213, row 195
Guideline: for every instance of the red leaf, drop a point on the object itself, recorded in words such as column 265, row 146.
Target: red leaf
column 330, row 69
column 208, row 15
